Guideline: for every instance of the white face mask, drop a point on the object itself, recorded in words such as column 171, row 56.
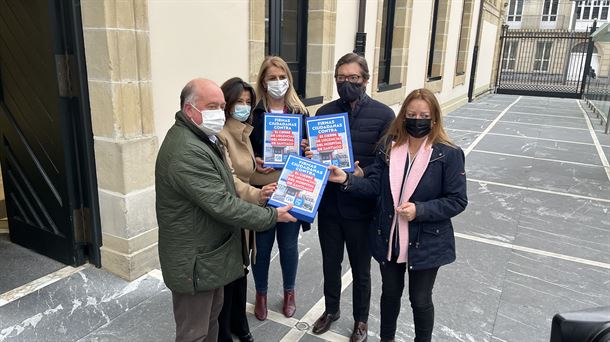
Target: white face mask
column 213, row 120
column 277, row 88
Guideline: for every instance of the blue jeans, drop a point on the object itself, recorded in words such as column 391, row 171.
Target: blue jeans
column 287, row 241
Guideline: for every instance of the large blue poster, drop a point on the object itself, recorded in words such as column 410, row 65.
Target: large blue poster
column 282, row 138
column 330, row 141
column 301, row 183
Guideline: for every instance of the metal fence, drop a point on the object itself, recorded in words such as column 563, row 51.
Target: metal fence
column 597, row 98
column 544, row 62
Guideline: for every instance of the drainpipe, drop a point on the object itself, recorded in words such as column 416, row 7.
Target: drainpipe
column 360, row 43
column 475, row 53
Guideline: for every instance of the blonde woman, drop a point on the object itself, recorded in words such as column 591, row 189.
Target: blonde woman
column 276, row 94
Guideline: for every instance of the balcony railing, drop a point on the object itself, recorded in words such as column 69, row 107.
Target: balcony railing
column 538, row 22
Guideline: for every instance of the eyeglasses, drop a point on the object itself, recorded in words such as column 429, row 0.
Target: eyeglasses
column 350, row 78
column 413, row 115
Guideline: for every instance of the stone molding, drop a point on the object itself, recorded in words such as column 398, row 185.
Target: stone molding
column 400, row 53
column 117, row 51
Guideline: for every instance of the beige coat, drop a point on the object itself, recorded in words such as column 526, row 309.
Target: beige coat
column 235, row 137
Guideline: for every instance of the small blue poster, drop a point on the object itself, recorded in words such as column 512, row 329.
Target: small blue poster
column 302, row 184
column 330, row 140
column 282, row 138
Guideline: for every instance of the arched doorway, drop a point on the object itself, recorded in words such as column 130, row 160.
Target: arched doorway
column 576, row 65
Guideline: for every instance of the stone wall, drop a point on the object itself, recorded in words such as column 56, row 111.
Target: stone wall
column 118, row 66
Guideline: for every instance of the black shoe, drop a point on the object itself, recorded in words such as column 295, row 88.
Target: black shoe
column 246, row 338
column 323, row 323
column 360, row 333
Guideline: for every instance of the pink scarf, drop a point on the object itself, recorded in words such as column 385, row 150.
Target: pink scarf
column 398, row 159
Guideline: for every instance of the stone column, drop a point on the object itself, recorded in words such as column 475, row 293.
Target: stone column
column 117, row 51
column 321, row 34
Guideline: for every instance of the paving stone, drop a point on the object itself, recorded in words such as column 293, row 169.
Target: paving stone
column 537, row 287
column 510, row 145
column 571, row 178
column 567, row 151
column 151, row 320
column 569, row 114
column 562, row 121
column 516, row 129
column 462, row 139
column 476, row 113
column 564, row 225
column 467, row 292
column 466, row 124
column 565, row 134
column 492, row 212
column 269, row 331
column 73, row 307
column 311, row 338
column 498, row 168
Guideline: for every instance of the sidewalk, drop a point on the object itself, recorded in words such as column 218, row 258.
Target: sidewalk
column 534, row 241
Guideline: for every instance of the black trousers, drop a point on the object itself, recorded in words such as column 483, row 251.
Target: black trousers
column 420, row 296
column 233, row 317
column 334, row 234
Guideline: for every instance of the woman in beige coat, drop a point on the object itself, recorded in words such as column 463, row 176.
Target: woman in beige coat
column 235, row 137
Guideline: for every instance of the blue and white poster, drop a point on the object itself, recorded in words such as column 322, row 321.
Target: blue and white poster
column 302, row 184
column 330, row 140
column 282, row 138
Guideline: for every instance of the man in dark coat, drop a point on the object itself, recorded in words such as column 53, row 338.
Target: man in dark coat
column 200, row 215
column 343, row 220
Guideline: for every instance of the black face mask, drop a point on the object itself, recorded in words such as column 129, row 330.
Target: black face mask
column 349, row 92
column 418, row 128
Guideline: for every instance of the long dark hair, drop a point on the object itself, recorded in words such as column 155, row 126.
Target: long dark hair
column 232, row 89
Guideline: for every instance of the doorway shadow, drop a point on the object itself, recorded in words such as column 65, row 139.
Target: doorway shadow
column 19, row 265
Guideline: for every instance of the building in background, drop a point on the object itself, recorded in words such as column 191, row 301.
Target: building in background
column 117, row 67
column 546, row 46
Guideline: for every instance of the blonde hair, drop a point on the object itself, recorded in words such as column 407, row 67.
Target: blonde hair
column 291, row 99
column 397, row 132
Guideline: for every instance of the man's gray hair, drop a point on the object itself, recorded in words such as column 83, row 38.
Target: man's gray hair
column 188, row 94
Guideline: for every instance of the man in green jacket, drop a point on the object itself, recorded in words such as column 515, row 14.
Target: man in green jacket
column 200, row 215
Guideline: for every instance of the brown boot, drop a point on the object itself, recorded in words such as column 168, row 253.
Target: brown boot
column 289, row 304
column 260, row 307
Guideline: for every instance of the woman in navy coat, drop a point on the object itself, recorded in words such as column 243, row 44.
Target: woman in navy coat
column 419, row 180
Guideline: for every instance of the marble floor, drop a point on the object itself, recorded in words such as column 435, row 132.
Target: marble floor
column 534, row 241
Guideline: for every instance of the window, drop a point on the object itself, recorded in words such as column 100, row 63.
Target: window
column 462, row 57
column 286, row 36
column 549, row 10
column 515, row 10
column 592, row 9
column 509, row 55
column 542, row 57
column 438, row 39
column 387, row 34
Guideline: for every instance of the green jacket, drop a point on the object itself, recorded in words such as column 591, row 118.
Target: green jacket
column 198, row 212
